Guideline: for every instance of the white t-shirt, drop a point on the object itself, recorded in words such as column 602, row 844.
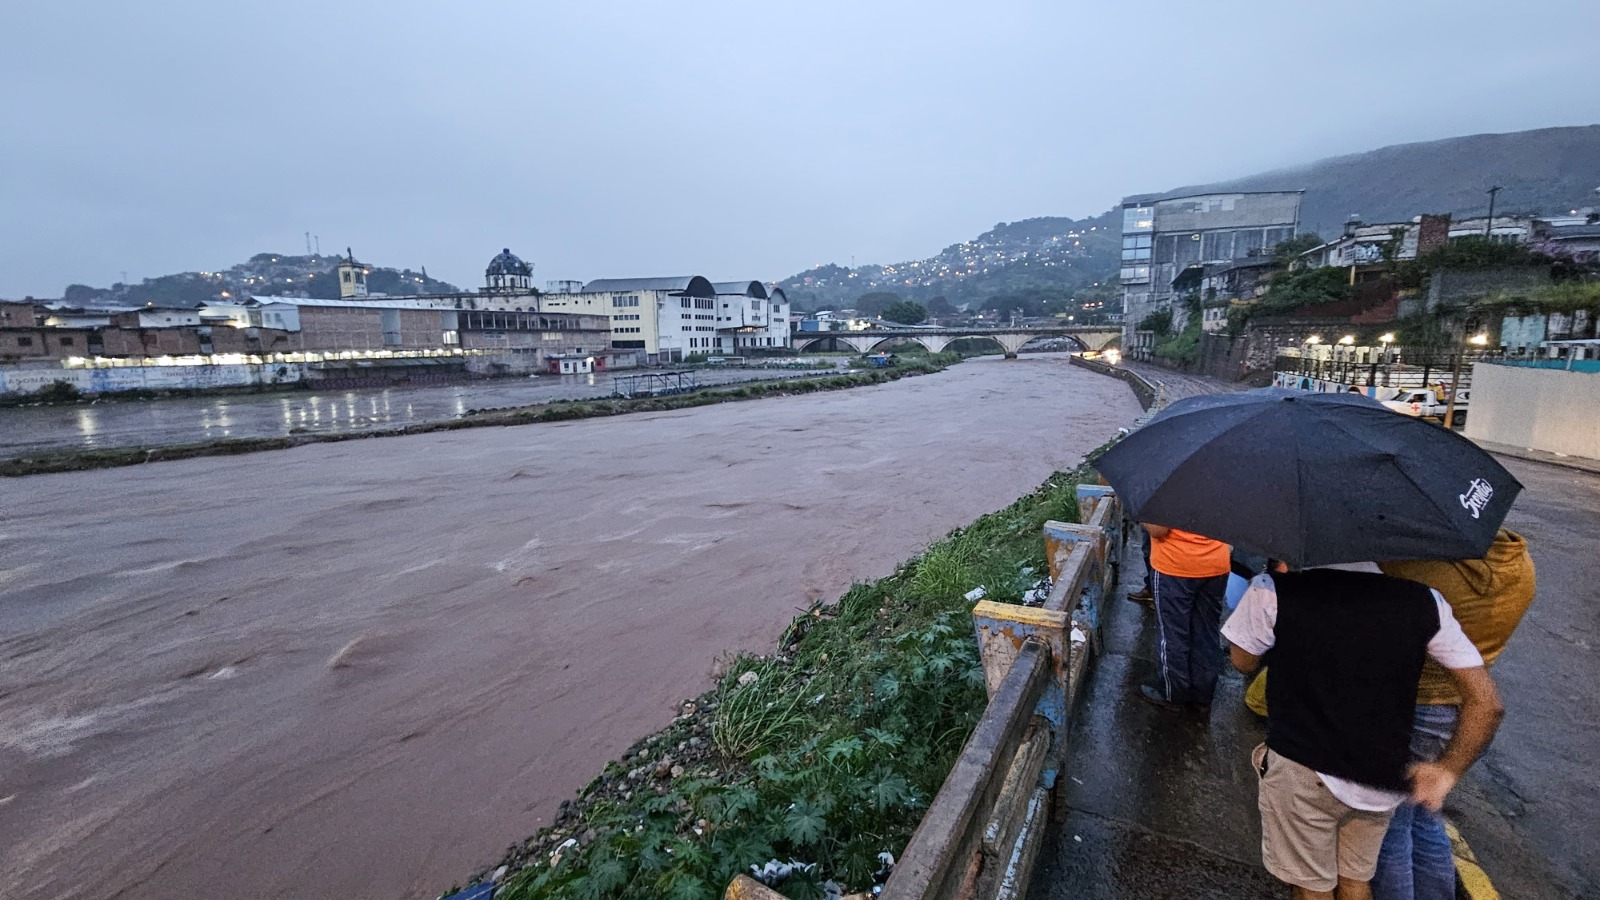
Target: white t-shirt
column 1251, row 629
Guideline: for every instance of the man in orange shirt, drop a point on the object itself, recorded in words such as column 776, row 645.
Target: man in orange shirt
column 1191, row 581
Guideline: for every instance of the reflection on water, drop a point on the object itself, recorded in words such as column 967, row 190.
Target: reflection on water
column 88, row 426
column 183, row 420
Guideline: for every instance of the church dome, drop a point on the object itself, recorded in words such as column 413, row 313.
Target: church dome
column 507, row 263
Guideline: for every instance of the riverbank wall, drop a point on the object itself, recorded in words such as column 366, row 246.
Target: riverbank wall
column 22, row 380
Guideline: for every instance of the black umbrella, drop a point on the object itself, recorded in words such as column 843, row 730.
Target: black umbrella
column 1312, row 479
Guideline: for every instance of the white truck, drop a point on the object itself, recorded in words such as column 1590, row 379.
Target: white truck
column 1428, row 403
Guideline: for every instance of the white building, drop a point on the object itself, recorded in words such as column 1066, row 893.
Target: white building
column 672, row 318
column 665, row 319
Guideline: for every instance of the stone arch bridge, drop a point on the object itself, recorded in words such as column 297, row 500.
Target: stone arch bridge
column 1009, row 338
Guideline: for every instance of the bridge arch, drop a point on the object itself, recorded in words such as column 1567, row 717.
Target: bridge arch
column 1009, row 340
column 860, row 342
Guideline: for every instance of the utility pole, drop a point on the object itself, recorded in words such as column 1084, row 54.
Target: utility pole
column 1489, row 225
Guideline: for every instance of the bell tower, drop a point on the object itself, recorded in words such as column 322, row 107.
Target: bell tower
column 352, row 277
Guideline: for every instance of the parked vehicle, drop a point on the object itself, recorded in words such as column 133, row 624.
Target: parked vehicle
column 1428, row 403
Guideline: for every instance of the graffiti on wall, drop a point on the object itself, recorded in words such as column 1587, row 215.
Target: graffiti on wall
column 134, row 378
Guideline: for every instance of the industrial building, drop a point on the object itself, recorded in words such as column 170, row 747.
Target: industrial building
column 1163, row 236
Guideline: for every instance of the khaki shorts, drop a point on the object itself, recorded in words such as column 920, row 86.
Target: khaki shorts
column 1308, row 837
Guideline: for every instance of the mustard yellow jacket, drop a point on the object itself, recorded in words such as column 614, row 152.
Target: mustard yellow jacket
column 1489, row 597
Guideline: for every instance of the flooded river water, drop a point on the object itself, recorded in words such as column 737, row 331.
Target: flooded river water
column 362, row 669
column 185, row 420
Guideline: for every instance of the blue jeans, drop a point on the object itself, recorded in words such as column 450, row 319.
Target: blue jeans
column 1188, row 642
column 1416, row 862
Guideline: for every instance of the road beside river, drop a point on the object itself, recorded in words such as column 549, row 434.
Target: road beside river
column 362, row 669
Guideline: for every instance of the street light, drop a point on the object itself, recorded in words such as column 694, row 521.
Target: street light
column 1479, row 340
column 1385, row 339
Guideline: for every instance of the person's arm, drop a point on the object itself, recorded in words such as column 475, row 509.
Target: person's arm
column 1157, row 531
column 1243, row 660
column 1481, row 712
column 1250, row 628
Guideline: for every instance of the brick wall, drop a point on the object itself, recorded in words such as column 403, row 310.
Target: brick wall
column 18, row 315
column 44, row 343
column 1432, row 232
column 150, row 341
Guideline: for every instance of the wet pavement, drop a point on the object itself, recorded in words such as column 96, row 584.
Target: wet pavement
column 1163, row 806
column 185, row 420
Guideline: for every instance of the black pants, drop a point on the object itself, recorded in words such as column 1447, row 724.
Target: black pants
column 1149, row 573
column 1188, row 636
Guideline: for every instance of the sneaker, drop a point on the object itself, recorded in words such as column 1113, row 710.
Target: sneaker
column 1142, row 595
column 1154, row 697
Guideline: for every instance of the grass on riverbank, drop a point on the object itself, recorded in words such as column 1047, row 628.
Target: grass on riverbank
column 826, row 752
column 559, row 411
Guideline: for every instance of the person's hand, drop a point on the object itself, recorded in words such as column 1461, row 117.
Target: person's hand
column 1430, row 782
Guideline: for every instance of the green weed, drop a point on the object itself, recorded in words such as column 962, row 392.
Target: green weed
column 829, row 756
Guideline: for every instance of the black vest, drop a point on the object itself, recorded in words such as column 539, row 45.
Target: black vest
column 1348, row 653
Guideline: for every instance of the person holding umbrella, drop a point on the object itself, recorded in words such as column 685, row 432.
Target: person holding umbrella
column 1348, row 648
column 1326, row 482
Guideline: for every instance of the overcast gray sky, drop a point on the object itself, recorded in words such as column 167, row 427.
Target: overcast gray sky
column 732, row 139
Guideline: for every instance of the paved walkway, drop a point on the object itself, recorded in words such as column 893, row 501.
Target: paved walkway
column 1163, row 805
column 1592, row 466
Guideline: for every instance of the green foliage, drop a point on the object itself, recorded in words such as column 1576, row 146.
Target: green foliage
column 833, row 751
column 906, row 312
column 1464, row 254
column 1159, row 322
column 58, row 392
column 1183, row 346
column 1305, row 287
column 1285, row 251
column 876, row 303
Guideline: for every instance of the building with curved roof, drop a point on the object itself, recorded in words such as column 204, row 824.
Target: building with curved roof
column 508, row 274
column 690, row 285
column 744, row 288
column 676, row 317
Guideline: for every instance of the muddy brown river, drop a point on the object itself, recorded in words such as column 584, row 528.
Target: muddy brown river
column 361, row 670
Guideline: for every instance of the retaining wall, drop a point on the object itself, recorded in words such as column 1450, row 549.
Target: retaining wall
column 29, row 380
column 1141, row 388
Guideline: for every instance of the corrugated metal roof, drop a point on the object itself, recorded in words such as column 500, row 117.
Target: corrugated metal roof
column 672, row 283
column 436, row 302
column 744, row 288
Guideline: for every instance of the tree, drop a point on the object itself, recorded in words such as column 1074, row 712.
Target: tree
column 906, row 313
column 874, row 303
column 940, row 306
column 1284, row 251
